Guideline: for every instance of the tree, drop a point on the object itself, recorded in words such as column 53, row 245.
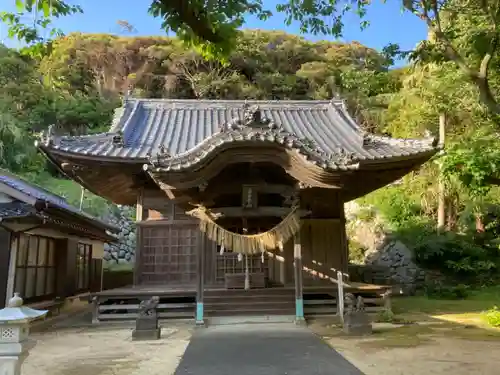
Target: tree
column 213, row 26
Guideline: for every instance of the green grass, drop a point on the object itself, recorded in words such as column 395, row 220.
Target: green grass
column 119, row 267
column 71, row 191
column 460, row 318
column 477, row 302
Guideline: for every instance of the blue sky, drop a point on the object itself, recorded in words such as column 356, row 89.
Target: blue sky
column 387, row 23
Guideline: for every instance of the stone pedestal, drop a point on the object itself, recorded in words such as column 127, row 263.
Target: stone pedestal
column 146, row 328
column 12, row 356
column 146, row 325
column 357, row 323
column 14, row 332
column 356, row 320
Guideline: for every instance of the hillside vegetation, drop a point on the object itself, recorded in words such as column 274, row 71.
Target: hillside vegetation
column 80, row 83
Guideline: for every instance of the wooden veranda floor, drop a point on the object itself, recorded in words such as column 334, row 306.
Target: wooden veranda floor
column 190, row 290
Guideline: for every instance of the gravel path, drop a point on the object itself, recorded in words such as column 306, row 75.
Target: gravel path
column 439, row 356
column 98, row 351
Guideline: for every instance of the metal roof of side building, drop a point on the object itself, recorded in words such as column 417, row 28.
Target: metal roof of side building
column 184, row 131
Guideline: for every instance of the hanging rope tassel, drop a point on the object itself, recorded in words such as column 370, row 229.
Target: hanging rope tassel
column 221, row 252
column 240, row 257
column 262, row 251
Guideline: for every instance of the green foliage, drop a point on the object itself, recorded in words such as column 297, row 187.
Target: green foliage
column 356, row 252
column 385, row 316
column 436, row 290
column 30, row 33
column 71, row 191
column 474, row 164
column 492, row 317
column 397, row 208
column 458, row 257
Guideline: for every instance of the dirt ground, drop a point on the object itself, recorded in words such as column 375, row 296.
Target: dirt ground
column 98, row 351
column 425, row 348
column 432, row 349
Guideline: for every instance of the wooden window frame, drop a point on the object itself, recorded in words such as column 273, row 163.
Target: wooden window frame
column 50, row 265
column 83, row 270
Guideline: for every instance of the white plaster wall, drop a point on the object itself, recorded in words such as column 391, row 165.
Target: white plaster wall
column 97, row 246
column 4, row 198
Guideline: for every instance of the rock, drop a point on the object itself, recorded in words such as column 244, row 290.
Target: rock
column 124, row 250
column 382, row 249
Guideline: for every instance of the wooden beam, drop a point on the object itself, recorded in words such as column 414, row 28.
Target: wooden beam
column 222, row 188
column 254, row 212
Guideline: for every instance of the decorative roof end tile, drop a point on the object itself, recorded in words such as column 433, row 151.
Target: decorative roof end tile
column 117, row 139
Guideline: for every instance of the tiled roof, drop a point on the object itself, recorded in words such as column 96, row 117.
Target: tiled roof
column 16, row 210
column 35, row 191
column 39, row 193
column 187, row 130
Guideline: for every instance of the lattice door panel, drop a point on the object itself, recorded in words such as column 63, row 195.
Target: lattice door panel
column 168, row 254
column 228, row 263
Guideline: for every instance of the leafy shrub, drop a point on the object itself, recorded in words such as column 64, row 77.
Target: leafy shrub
column 356, row 252
column 449, row 292
column 385, row 316
column 394, row 205
column 457, row 257
column 492, row 317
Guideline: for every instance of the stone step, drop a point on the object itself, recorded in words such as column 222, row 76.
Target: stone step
column 259, row 305
column 250, row 292
column 239, row 299
column 248, row 319
column 250, row 312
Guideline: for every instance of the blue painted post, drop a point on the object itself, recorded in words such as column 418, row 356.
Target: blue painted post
column 299, row 299
column 200, row 321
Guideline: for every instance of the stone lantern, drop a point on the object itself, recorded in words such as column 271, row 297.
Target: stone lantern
column 14, row 331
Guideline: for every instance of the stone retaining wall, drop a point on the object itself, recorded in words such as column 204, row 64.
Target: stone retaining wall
column 385, row 257
column 123, row 251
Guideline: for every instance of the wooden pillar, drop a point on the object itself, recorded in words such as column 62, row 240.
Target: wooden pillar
column 299, row 299
column 7, row 266
column 139, row 216
column 200, row 285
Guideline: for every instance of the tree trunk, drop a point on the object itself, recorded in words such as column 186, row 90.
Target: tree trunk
column 441, row 219
column 479, row 223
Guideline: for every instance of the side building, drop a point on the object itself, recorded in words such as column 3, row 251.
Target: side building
column 49, row 250
column 244, row 195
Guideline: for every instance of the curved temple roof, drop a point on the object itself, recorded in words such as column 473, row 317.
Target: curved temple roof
column 177, row 134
